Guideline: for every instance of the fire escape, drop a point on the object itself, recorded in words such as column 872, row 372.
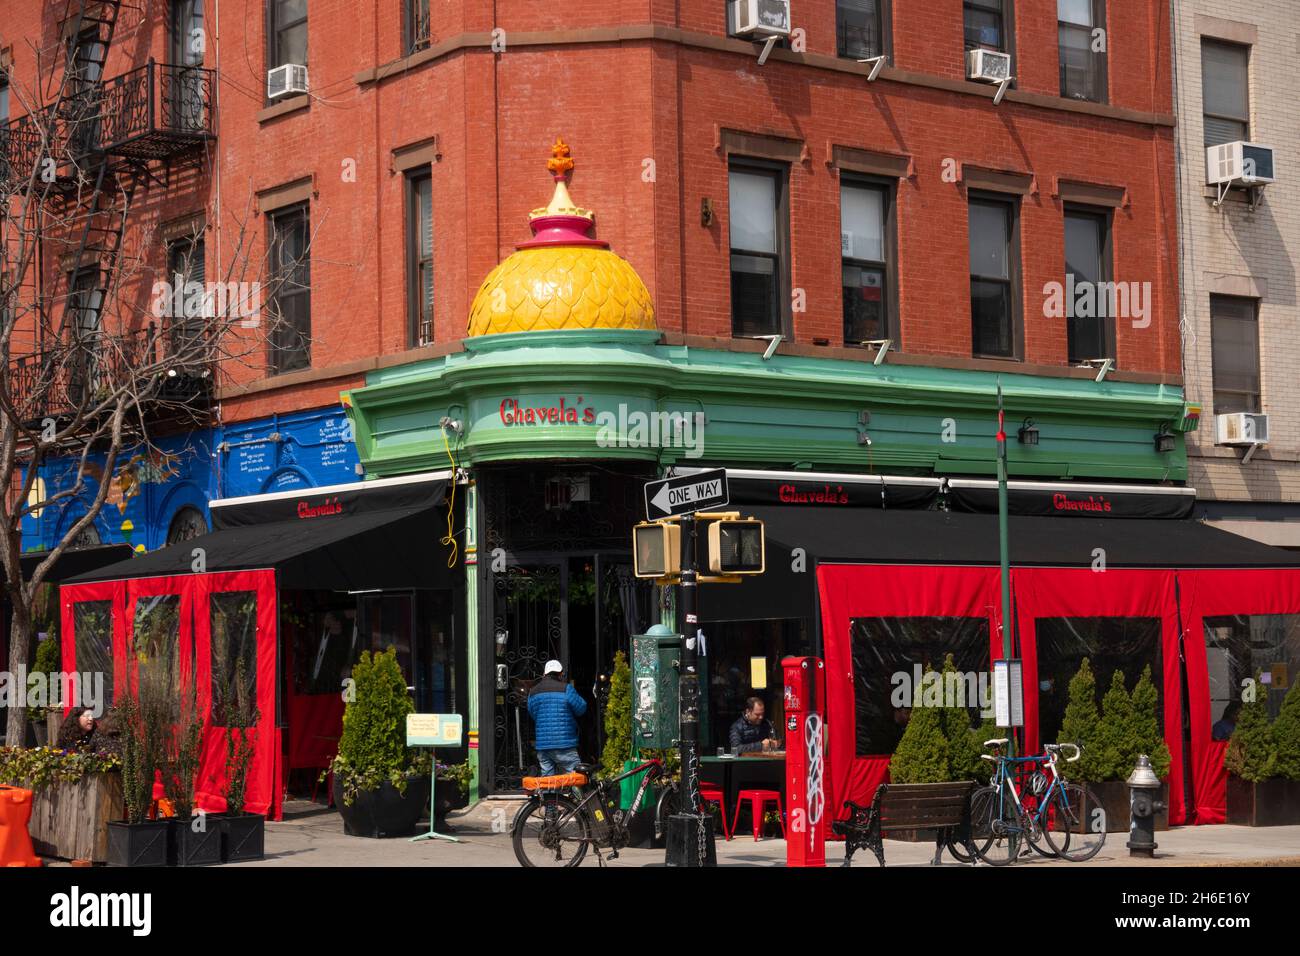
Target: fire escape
column 84, row 157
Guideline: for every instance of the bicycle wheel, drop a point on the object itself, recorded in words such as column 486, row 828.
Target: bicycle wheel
column 1076, row 823
column 550, row 830
column 1036, row 837
column 669, row 803
column 994, row 827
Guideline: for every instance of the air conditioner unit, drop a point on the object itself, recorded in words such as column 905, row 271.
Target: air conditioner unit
column 761, row 18
column 283, row 80
column 1241, row 428
column 1239, row 164
column 988, row 66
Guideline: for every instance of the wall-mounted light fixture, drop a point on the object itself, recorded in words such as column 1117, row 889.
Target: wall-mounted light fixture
column 1028, row 432
column 1165, row 440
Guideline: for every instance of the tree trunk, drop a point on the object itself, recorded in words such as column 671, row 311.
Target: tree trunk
column 19, row 641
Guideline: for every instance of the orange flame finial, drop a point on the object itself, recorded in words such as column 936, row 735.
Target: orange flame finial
column 560, row 164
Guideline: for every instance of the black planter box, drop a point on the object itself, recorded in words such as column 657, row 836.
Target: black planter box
column 447, row 796
column 383, row 812
column 188, row 848
column 1114, row 797
column 139, row 844
column 1269, row 803
column 243, row 836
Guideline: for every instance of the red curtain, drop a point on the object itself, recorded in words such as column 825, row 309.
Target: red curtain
column 849, row 591
column 262, row 795
column 1214, row 593
column 1082, row 592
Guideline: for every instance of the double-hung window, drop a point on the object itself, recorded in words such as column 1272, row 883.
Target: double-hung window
column 286, row 33
column 759, row 248
column 994, row 276
column 985, row 24
column 860, row 28
column 419, row 255
column 1225, row 91
column 1090, row 322
column 864, row 261
column 1081, row 32
column 1234, row 334
column 190, row 305
column 290, row 334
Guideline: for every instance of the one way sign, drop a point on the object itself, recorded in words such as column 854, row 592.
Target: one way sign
column 687, row 494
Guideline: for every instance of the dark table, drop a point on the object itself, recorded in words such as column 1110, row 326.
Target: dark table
column 758, row 770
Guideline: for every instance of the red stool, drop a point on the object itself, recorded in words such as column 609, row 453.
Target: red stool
column 712, row 793
column 758, row 801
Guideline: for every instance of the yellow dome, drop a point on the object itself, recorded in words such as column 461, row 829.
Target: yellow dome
column 562, row 279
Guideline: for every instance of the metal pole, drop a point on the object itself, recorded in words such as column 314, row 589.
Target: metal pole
column 1004, row 546
column 688, row 693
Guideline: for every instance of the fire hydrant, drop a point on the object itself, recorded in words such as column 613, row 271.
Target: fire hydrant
column 1143, row 785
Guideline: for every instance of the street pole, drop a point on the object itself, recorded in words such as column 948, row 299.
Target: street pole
column 1004, row 547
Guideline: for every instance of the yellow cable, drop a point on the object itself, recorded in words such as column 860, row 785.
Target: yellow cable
column 450, row 539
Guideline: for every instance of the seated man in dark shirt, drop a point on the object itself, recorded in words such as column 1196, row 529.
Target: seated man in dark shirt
column 751, row 732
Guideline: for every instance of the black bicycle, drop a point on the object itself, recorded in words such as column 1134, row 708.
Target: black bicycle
column 568, row 813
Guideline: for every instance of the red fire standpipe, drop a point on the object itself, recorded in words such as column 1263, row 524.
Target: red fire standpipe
column 805, row 761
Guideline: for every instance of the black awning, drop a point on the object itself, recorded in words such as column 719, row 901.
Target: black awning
column 74, row 561
column 869, row 536
column 386, row 549
column 1073, row 499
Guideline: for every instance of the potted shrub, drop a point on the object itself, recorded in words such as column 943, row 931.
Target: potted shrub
column 618, row 757
column 1259, row 755
column 137, row 841
column 243, row 835
column 193, row 841
column 379, row 787
column 451, row 788
column 1111, row 741
column 45, row 663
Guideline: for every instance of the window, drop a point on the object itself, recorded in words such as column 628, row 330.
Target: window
column 759, row 240
column 1090, row 326
column 419, row 256
column 419, row 29
column 985, row 22
column 4, row 98
column 233, row 620
column 286, row 33
column 891, row 656
column 189, row 303
column 860, row 27
column 86, row 298
column 290, row 266
column 1239, row 648
column 156, row 638
column 187, row 97
column 1124, row 644
column 864, row 244
column 740, row 652
column 92, row 623
column 1234, row 344
column 1225, row 91
column 1083, row 68
column 993, row 277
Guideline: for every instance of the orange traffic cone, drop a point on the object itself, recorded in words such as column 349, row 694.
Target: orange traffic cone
column 15, row 842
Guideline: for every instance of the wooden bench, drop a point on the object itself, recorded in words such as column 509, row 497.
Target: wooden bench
column 909, row 806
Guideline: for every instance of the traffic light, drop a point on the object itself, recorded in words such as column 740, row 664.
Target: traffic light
column 657, row 549
column 736, row 547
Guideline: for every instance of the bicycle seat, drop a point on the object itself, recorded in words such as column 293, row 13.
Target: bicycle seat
column 996, row 742
column 586, row 769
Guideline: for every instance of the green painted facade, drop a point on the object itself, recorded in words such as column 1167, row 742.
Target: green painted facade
column 582, row 394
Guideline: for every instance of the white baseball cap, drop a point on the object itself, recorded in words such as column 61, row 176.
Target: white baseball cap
column 553, row 667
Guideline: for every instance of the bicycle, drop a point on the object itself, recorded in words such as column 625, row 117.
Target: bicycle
column 1066, row 815
column 568, row 814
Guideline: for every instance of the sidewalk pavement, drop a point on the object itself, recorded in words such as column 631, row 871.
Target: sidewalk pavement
column 317, row 839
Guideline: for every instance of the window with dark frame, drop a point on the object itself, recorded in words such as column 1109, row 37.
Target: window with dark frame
column 419, row 255
column 419, row 28
column 866, row 209
column 290, row 301
column 1225, row 91
column 994, row 276
column 186, row 271
column 985, row 23
column 286, row 33
column 860, row 28
column 1082, row 52
column 1234, row 345
column 1087, row 259
column 759, row 248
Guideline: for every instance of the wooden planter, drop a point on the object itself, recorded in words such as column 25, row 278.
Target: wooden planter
column 70, row 820
column 1269, row 803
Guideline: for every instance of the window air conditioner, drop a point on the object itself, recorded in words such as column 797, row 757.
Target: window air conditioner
column 283, row 80
column 1241, row 428
column 1239, row 164
column 761, row 18
column 988, row 66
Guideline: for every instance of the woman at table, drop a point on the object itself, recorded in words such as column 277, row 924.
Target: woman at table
column 752, row 732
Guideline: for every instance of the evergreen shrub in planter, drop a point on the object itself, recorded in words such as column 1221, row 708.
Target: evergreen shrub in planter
column 1263, row 762
column 138, row 841
column 243, row 835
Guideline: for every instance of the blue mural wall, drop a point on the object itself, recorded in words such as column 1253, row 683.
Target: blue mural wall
column 151, row 494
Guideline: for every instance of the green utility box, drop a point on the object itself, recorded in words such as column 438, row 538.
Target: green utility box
column 655, row 657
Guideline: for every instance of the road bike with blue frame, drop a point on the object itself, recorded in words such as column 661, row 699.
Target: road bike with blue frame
column 1007, row 821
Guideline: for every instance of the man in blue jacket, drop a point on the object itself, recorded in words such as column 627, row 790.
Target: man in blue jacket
column 555, row 708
